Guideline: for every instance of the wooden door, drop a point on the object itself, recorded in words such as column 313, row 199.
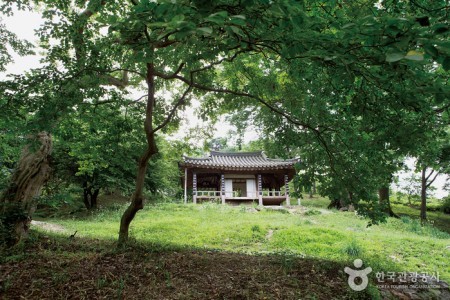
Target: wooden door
column 228, row 188
column 251, row 188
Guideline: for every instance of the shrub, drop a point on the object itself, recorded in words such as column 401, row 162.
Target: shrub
column 427, row 229
column 257, row 233
column 256, row 228
column 312, row 212
column 353, row 249
column 445, row 206
column 10, row 214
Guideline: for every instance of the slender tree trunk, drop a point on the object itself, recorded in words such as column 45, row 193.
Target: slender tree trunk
column 427, row 181
column 18, row 200
column 383, row 196
column 86, row 192
column 423, row 196
column 94, row 198
column 89, row 197
column 137, row 200
column 336, row 203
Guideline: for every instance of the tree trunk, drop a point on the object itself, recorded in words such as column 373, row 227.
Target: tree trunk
column 86, row 192
column 383, row 196
column 94, row 198
column 89, row 197
column 310, row 192
column 137, row 200
column 18, row 200
column 336, row 203
column 423, row 196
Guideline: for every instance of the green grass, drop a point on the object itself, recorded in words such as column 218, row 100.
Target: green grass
column 398, row 245
column 316, row 201
column 439, row 219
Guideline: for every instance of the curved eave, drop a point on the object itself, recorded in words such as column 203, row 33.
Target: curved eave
column 234, row 168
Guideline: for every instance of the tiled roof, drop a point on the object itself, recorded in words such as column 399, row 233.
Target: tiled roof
column 238, row 161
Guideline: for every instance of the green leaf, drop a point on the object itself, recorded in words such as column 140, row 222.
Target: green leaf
column 446, row 63
column 181, row 35
column 431, row 50
column 161, row 35
column 414, row 55
column 348, row 25
column 440, row 28
column 394, row 56
column 218, row 18
column 236, row 30
column 157, row 24
column 205, row 30
column 238, row 21
column 223, row 14
column 177, row 18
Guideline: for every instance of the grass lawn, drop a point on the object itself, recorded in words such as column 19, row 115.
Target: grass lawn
column 398, row 245
column 439, row 219
column 242, row 243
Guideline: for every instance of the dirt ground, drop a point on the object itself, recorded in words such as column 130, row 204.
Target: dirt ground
column 83, row 269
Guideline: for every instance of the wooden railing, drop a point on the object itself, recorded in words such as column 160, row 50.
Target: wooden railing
column 216, row 194
column 236, row 194
column 273, row 193
column 208, row 194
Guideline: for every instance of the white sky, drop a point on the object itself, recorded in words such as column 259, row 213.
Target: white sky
column 438, row 184
column 24, row 23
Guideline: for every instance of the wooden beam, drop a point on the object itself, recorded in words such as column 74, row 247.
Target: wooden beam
column 194, row 187
column 185, row 185
column 286, row 189
column 222, row 188
column 260, row 201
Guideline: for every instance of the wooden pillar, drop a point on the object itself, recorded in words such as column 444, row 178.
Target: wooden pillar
column 185, row 185
column 286, row 188
column 222, row 188
column 194, row 187
column 260, row 201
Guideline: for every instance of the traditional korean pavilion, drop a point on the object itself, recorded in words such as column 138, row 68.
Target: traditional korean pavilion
column 237, row 177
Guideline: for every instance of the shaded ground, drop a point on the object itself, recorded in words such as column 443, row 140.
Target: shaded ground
column 86, row 269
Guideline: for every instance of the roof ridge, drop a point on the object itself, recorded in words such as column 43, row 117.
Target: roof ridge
column 196, row 158
column 224, row 153
column 282, row 159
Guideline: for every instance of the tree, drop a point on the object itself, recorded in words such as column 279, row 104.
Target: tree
column 38, row 100
column 351, row 113
column 95, row 147
column 412, row 187
column 287, row 56
column 9, row 40
column 435, row 160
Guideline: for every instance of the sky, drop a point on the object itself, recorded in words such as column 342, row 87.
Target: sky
column 24, row 23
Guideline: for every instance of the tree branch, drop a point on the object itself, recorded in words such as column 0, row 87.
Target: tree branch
column 173, row 110
column 220, row 61
column 316, row 131
column 434, row 178
column 119, row 83
column 431, row 173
